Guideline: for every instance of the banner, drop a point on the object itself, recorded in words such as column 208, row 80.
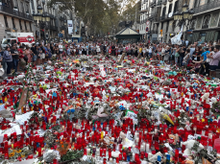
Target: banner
column 70, row 27
column 177, row 39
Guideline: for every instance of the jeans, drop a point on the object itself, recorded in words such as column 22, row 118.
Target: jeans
column 10, row 66
column 181, row 61
column 15, row 62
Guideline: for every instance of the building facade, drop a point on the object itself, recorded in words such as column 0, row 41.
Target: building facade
column 15, row 16
column 164, row 27
column 45, row 30
column 144, row 17
column 205, row 25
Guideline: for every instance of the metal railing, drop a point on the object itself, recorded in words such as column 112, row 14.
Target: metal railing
column 14, row 12
column 164, row 17
column 212, row 5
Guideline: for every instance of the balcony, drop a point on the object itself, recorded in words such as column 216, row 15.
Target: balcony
column 15, row 13
column 209, row 6
column 145, row 10
column 153, row 4
column 164, row 2
column 166, row 17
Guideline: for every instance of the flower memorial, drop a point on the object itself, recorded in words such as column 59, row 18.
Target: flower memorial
column 107, row 110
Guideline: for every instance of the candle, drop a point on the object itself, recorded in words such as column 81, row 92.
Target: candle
column 88, row 151
column 147, row 148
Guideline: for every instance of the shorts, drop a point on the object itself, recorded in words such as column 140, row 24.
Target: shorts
column 213, row 67
column 60, row 52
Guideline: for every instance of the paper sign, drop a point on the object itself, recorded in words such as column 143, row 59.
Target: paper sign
column 24, row 117
column 131, row 70
column 173, row 90
column 16, row 129
column 132, row 115
column 2, row 107
column 112, row 89
column 159, row 96
column 130, row 136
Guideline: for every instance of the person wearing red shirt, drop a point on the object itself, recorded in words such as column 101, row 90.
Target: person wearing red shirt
column 21, row 64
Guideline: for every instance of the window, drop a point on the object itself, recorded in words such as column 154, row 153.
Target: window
column 27, row 8
column 20, row 24
column 32, row 5
column 6, row 21
column 13, row 22
column 164, row 12
column 6, row 41
column 30, row 26
column 25, row 26
column 170, row 8
column 15, row 3
column 175, row 7
column 22, row 7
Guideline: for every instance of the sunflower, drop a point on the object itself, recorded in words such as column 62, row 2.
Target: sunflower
column 11, row 154
column 18, row 151
column 22, row 155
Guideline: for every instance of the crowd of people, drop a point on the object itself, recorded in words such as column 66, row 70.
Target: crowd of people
column 203, row 58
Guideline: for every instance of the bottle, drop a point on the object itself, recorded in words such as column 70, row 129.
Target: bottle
column 158, row 160
column 168, row 159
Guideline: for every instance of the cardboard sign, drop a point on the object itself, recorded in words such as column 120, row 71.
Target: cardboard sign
column 23, row 98
column 121, row 57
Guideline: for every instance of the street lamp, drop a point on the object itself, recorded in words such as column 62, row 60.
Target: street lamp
column 40, row 9
column 65, row 23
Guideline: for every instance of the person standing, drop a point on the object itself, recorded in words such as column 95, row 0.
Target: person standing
column 60, row 46
column 187, row 42
column 15, row 56
column 8, row 59
column 215, row 61
column 28, row 54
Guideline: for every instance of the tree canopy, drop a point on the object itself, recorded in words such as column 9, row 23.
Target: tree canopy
column 100, row 17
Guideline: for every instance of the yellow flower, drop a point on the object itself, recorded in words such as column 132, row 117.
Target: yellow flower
column 18, row 151
column 11, row 154
column 22, row 155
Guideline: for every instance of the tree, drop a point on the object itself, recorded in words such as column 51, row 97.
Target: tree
column 98, row 16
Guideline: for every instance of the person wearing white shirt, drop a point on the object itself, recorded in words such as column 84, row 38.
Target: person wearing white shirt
column 150, row 51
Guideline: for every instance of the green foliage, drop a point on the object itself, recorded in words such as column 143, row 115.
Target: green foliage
column 72, row 155
column 100, row 17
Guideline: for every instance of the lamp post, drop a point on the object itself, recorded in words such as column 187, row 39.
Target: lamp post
column 183, row 16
